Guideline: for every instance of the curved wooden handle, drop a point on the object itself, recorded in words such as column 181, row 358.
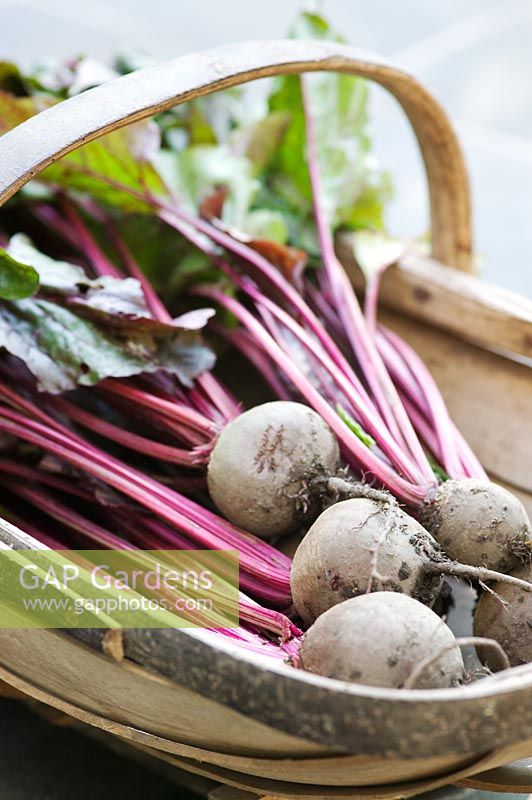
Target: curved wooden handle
column 48, row 136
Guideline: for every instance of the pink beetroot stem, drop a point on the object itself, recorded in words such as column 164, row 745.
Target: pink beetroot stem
column 411, row 373
column 256, row 556
column 409, row 492
column 350, row 313
column 250, row 612
column 397, row 456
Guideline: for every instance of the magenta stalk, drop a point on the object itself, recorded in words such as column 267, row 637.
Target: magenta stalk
column 250, row 612
column 256, row 556
column 350, row 313
column 409, row 492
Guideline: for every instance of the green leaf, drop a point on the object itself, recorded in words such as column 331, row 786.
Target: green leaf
column 354, row 426
column 439, row 471
column 260, row 141
column 256, row 148
column 353, row 189
column 199, row 130
column 110, row 171
column 198, row 170
column 170, row 262
column 266, row 224
column 63, row 350
column 311, row 25
column 207, row 120
column 17, row 279
column 11, row 78
column 116, row 170
column 56, row 275
column 15, row 110
column 289, row 175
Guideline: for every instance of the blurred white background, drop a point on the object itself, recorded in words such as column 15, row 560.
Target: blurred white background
column 475, row 55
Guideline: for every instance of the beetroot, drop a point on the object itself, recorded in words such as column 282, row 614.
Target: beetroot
column 378, row 640
column 268, row 467
column 359, row 545
column 362, row 545
column 507, row 618
column 480, row 523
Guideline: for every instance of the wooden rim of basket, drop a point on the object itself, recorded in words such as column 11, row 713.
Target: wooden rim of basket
column 483, row 770
column 46, row 137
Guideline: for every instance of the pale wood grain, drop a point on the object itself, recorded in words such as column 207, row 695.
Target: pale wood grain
column 273, row 788
column 283, row 777
column 515, row 778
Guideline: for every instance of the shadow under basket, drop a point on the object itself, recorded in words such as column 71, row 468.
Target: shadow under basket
column 222, row 713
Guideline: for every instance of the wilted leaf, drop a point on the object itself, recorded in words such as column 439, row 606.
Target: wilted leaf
column 63, row 350
column 194, row 320
column 212, row 206
column 289, row 260
column 80, row 331
column 117, row 303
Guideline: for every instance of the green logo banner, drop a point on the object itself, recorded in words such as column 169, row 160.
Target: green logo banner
column 119, row 589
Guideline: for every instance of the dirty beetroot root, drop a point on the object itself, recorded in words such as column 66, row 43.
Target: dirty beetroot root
column 507, row 618
column 379, row 640
column 269, row 466
column 356, row 546
column 366, row 545
column 480, row 523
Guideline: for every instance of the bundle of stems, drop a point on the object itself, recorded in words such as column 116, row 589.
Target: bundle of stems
column 310, row 339
column 146, row 513
column 312, row 342
column 143, row 513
